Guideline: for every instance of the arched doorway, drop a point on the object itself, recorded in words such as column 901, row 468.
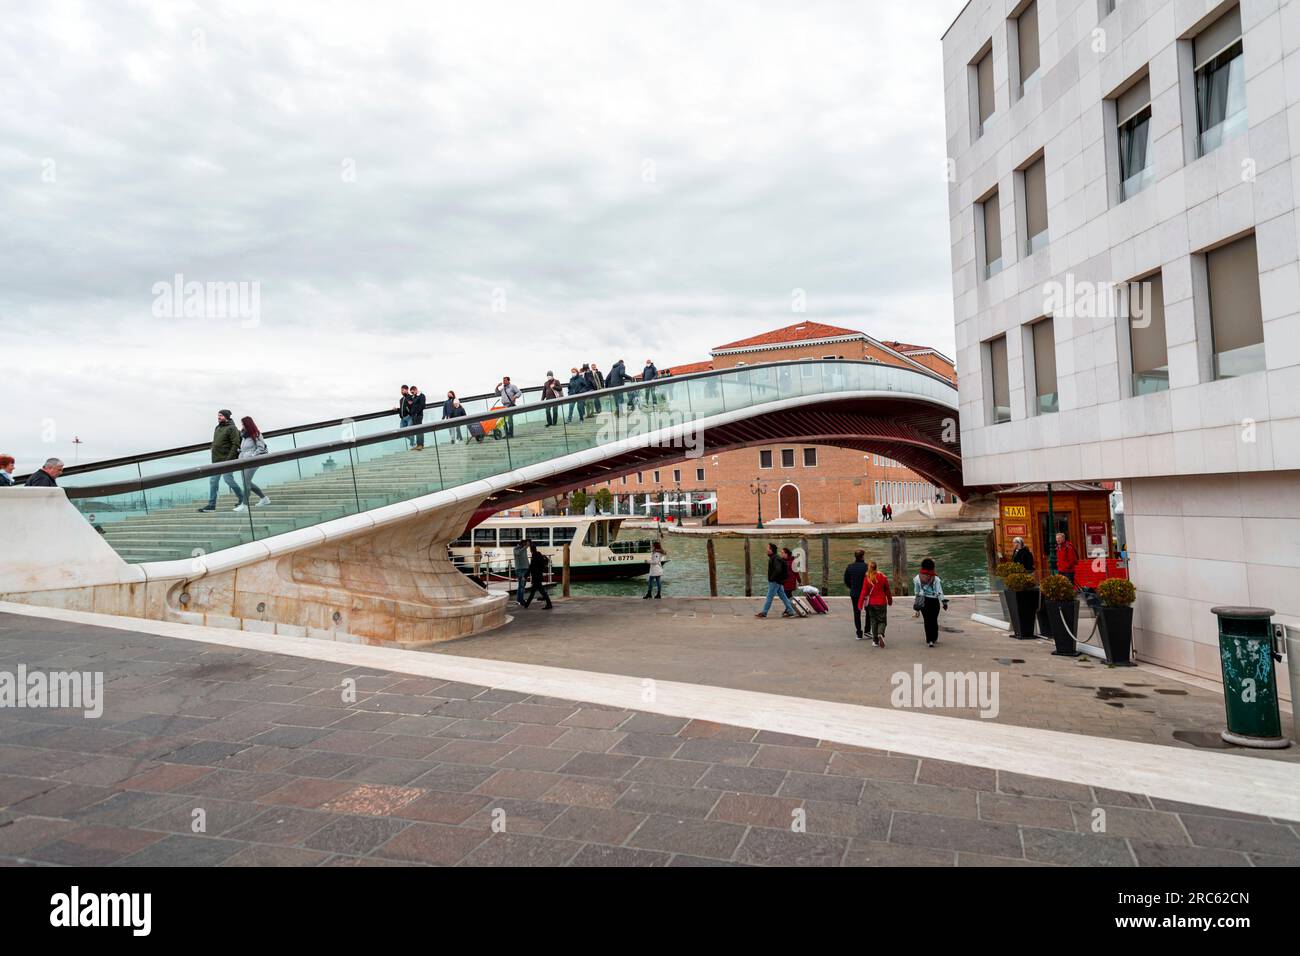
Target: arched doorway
column 787, row 501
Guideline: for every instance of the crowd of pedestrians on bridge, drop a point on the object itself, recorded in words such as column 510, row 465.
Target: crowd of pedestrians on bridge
column 586, row 379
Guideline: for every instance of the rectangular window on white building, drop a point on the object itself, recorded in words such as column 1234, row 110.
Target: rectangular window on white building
column 1133, row 120
column 699, row 474
column 1145, row 316
column 765, row 458
column 1044, row 348
column 997, row 381
column 990, row 226
column 1236, row 319
column 1027, row 43
column 1220, row 76
column 1034, row 180
column 810, row 457
column 787, row 457
column 981, row 75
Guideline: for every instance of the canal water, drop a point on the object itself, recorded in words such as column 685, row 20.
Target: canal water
column 958, row 558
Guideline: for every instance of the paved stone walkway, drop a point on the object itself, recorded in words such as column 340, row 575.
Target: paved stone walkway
column 719, row 642
column 285, row 771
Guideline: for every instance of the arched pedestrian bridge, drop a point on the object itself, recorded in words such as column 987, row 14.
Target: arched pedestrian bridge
column 352, row 545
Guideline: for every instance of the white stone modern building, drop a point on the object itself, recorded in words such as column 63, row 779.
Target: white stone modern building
column 1123, row 183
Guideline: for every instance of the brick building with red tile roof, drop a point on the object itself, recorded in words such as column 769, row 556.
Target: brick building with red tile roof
column 815, row 483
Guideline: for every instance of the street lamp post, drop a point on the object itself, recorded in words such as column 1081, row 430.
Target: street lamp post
column 677, row 486
column 1051, row 531
column 757, row 489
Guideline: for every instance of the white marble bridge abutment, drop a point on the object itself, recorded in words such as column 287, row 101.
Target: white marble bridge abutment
column 380, row 577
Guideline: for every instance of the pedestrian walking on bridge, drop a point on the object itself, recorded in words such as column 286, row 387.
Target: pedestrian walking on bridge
column 225, row 447
column 418, row 403
column 510, row 397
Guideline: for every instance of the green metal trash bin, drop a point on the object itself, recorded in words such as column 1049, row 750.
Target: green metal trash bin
column 1249, row 677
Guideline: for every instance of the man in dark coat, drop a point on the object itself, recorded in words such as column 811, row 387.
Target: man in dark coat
column 776, row 574
column 617, row 377
column 225, row 447
column 404, row 407
column 577, row 385
column 552, row 389
column 854, row 576
column 418, row 404
column 597, row 383
column 537, row 568
column 649, row 374
column 44, row 476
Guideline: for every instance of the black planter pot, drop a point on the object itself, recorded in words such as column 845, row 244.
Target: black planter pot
column 1063, row 620
column 1024, row 609
column 1116, row 627
column 1044, row 622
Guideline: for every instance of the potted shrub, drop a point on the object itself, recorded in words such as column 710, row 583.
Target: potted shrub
column 1022, row 600
column 1062, row 612
column 1115, row 620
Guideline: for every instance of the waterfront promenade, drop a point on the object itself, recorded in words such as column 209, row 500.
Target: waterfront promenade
column 419, row 765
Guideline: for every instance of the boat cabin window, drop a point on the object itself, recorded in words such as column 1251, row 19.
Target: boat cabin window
column 597, row 535
column 510, row 535
column 486, row 536
column 562, row 535
column 464, row 541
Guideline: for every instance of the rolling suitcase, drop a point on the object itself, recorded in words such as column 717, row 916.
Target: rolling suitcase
column 476, row 429
column 818, row 603
column 800, row 607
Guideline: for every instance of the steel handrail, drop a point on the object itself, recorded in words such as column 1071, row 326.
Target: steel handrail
column 309, row 451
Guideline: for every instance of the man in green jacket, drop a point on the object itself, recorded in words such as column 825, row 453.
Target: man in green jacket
column 225, row 447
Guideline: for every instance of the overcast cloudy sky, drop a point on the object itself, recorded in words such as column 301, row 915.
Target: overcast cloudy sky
column 443, row 192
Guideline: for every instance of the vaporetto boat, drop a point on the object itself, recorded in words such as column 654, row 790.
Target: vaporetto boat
column 594, row 552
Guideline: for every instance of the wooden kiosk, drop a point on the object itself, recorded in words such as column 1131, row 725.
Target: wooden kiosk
column 1081, row 510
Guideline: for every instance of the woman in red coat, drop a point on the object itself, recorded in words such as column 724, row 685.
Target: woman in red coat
column 791, row 582
column 876, row 597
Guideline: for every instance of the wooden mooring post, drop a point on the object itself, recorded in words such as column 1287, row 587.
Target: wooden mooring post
column 898, row 554
column 749, row 572
column 565, row 578
column 713, row 568
column 826, row 564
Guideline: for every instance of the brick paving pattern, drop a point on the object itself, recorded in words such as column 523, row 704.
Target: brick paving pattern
column 283, row 771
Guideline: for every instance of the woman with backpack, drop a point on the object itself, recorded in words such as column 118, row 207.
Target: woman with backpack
column 876, row 597
column 251, row 445
column 929, row 598
column 655, row 581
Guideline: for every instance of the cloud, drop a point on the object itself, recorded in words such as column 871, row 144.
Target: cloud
column 446, row 192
